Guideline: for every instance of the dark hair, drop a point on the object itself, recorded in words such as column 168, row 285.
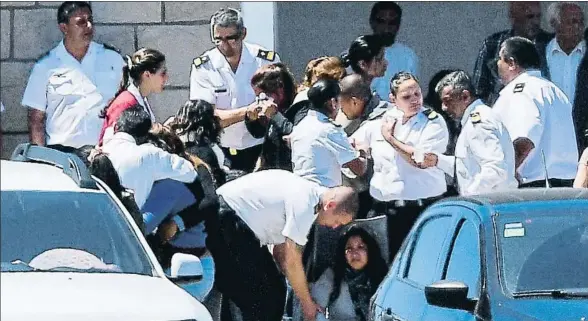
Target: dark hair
column 364, row 48
column 144, row 59
column 135, row 122
column 68, row 8
column 432, row 99
column 376, row 268
column 398, row 79
column 385, row 6
column 356, row 86
column 270, row 78
column 166, row 139
column 459, row 81
column 102, row 168
column 522, row 51
column 322, row 92
column 197, row 120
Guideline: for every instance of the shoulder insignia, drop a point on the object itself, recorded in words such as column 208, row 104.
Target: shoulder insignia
column 110, row 47
column 431, row 114
column 266, row 55
column 519, row 87
column 475, row 117
column 200, row 60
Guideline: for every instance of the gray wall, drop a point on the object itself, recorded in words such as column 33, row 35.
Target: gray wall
column 443, row 34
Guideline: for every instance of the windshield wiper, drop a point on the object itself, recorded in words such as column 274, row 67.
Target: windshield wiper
column 24, row 264
column 556, row 293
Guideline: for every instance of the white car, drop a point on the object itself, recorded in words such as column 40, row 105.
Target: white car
column 71, row 251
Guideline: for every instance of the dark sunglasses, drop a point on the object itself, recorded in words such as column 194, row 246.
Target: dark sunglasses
column 227, row 38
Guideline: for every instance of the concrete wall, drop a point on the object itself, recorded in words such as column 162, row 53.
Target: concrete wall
column 29, row 29
column 443, row 34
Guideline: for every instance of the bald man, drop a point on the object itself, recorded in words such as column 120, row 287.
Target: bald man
column 358, row 104
column 271, row 207
column 525, row 19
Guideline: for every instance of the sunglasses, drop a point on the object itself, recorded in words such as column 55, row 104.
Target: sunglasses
column 231, row 38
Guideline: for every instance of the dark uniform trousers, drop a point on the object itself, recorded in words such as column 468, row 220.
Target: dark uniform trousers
column 245, row 271
column 401, row 216
column 244, row 159
column 553, row 182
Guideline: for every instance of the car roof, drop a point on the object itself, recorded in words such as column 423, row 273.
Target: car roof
column 525, row 195
column 30, row 176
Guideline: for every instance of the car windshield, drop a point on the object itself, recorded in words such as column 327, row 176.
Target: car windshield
column 543, row 248
column 68, row 231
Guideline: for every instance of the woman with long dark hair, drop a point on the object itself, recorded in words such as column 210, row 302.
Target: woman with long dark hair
column 145, row 73
column 199, row 129
column 344, row 290
column 366, row 57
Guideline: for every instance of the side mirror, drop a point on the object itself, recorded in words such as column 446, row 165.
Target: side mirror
column 449, row 294
column 186, row 268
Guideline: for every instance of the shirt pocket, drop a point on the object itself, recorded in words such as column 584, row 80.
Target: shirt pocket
column 220, row 91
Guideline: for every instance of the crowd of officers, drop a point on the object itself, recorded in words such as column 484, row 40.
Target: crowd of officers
column 252, row 161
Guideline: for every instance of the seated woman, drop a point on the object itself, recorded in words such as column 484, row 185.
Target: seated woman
column 145, row 73
column 199, row 129
column 345, row 289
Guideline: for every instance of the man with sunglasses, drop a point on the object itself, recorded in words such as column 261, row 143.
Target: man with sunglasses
column 385, row 20
column 222, row 77
column 69, row 86
column 525, row 18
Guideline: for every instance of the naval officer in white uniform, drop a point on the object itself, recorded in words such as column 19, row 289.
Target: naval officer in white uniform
column 222, row 76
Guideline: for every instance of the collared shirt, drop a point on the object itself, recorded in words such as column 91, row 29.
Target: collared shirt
column 320, row 149
column 119, row 105
column 534, row 108
column 394, row 178
column 375, row 108
column 484, row 153
column 485, row 76
column 215, row 82
column 139, row 166
column 73, row 93
column 282, row 205
column 563, row 67
column 400, row 58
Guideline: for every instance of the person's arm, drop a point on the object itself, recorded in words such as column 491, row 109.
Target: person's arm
column 254, row 125
column 581, row 180
column 36, row 124
column 289, row 257
column 207, row 203
column 35, row 100
column 338, row 143
column 165, row 165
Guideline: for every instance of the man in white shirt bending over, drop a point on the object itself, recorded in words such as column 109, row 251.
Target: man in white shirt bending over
column 271, row 207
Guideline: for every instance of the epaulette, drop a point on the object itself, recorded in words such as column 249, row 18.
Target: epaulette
column 475, row 117
column 519, row 87
column 110, row 47
column 200, row 61
column 266, row 55
column 431, row 114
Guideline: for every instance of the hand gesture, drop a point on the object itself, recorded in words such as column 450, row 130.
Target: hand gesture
column 429, row 161
column 388, row 125
column 268, row 109
column 253, row 111
column 310, row 309
column 167, row 230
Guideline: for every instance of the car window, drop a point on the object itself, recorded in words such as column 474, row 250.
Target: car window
column 427, row 249
column 65, row 231
column 464, row 258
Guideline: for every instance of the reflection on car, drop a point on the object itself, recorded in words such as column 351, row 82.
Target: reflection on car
column 521, row 255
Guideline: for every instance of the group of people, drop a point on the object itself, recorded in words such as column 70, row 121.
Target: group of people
column 252, row 161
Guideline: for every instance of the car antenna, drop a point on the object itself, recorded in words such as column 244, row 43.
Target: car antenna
column 545, row 169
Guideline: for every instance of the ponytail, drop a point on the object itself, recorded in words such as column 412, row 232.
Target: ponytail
column 124, row 84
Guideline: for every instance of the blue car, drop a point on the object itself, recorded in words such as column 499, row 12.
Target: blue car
column 521, row 255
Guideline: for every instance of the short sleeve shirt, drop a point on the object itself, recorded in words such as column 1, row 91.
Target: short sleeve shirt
column 282, row 205
column 72, row 93
column 320, row 149
column 213, row 80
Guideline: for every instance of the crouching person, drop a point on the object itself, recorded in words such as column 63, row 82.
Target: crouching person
column 271, row 207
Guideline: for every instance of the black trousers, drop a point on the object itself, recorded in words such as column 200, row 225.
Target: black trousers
column 400, row 219
column 244, row 159
column 553, row 182
column 245, row 271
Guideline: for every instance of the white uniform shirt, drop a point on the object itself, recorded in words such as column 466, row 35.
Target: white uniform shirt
column 139, row 166
column 400, row 58
column 215, row 82
column 394, row 178
column 484, row 153
column 109, row 131
column 73, row 93
column 563, row 68
column 533, row 107
column 319, row 149
column 280, row 205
